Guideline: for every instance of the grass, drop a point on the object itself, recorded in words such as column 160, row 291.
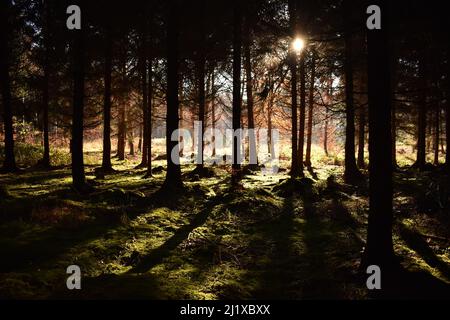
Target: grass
column 266, row 241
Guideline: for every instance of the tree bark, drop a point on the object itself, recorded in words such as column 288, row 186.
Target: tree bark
column 361, row 137
column 78, row 51
column 173, row 176
column 144, row 89
column 201, row 65
column 150, row 113
column 250, row 103
column 9, row 164
column 437, row 131
column 351, row 174
column 447, row 115
column 394, row 66
column 106, row 159
column 295, row 169
column 46, row 83
column 301, row 133
column 122, row 132
column 213, row 113
column 422, row 116
column 310, row 112
column 379, row 247
column 237, row 58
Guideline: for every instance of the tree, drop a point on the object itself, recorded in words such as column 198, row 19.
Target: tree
column 122, row 126
column 301, row 133
column 422, row 114
column 379, row 247
column 200, row 71
column 78, row 67
column 310, row 111
column 142, row 64
column 351, row 173
column 9, row 164
column 237, row 43
column 295, row 170
column 249, row 90
column 45, row 162
column 447, row 113
column 173, row 176
column 143, row 51
column 106, row 155
column 149, row 114
column 361, row 136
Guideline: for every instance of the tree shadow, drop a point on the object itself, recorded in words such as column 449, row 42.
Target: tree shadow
column 279, row 272
column 33, row 177
column 157, row 255
column 309, row 258
column 114, row 287
column 47, row 242
column 402, row 284
column 415, row 241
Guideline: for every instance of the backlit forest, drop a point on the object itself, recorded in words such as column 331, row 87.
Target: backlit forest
column 270, row 149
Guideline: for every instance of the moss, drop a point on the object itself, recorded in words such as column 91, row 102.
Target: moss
column 270, row 240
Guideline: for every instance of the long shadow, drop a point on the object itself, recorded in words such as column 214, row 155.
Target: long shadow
column 157, row 255
column 306, row 261
column 48, row 243
column 282, row 277
column 114, row 287
column 401, row 283
column 326, row 253
column 47, row 246
column 420, row 246
column 35, row 176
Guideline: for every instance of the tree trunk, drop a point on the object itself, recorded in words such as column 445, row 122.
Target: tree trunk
column 237, row 43
column 253, row 158
column 143, row 77
column 437, row 131
column 270, row 143
column 213, row 114
column 351, row 174
column 394, row 66
column 144, row 88
column 181, row 110
column 330, row 99
column 379, row 247
column 310, row 112
column 301, row 135
column 121, row 136
column 9, row 164
column 173, row 176
column 361, row 137
column 201, row 65
column 131, row 142
column 46, row 83
column 150, row 113
column 422, row 117
column 141, row 133
column 78, row 51
column 447, row 115
column 295, row 170
column 106, row 159
column 122, row 132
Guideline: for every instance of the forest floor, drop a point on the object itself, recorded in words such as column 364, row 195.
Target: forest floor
column 274, row 239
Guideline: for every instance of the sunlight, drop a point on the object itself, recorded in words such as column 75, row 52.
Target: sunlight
column 298, row 44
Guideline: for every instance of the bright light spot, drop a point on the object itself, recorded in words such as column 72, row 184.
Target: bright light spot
column 298, row 44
